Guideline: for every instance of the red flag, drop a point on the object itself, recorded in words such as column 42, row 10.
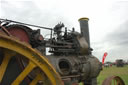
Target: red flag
column 104, row 56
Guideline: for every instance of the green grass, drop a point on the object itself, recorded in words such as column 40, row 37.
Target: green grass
column 118, row 71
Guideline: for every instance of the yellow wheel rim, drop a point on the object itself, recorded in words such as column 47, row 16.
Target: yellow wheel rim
column 12, row 47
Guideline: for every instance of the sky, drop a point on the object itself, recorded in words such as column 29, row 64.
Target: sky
column 108, row 20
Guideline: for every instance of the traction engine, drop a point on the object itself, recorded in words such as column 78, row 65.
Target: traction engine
column 27, row 58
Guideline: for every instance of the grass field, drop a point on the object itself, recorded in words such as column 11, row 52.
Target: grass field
column 108, row 71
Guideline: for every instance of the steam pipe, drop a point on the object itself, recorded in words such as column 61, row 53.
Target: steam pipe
column 85, row 29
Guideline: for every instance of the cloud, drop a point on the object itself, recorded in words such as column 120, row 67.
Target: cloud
column 119, row 36
column 107, row 34
column 115, row 43
column 34, row 13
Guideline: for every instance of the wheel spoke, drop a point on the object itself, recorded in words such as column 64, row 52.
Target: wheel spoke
column 4, row 64
column 114, row 82
column 38, row 78
column 25, row 72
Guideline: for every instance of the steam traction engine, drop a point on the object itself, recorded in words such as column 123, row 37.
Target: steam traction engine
column 24, row 58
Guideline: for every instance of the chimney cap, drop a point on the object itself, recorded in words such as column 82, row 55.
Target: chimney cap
column 84, row 18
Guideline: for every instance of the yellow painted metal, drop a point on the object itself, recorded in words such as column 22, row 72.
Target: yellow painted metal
column 33, row 55
column 84, row 18
column 4, row 64
column 38, row 78
column 25, row 72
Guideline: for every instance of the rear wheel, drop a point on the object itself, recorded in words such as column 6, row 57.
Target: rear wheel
column 22, row 65
column 113, row 80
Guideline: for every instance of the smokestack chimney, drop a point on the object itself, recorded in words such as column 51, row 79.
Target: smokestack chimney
column 85, row 29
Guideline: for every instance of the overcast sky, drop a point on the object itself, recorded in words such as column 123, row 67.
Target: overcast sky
column 108, row 20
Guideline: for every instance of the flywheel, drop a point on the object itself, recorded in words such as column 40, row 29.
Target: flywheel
column 37, row 70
